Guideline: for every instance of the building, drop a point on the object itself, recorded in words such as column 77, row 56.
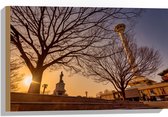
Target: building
column 164, row 75
column 108, row 95
column 140, row 89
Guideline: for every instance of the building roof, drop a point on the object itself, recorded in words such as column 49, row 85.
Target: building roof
column 163, row 72
column 140, row 79
column 157, row 85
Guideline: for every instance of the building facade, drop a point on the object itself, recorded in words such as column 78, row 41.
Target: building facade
column 141, row 89
column 164, row 75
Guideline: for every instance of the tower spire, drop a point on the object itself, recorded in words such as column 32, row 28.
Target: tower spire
column 120, row 28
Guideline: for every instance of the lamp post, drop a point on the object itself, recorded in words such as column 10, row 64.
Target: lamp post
column 45, row 86
column 86, row 93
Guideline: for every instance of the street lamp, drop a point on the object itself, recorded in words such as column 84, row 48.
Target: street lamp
column 86, row 93
column 45, row 86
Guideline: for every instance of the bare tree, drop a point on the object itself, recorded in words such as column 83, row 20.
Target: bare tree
column 115, row 69
column 47, row 36
column 15, row 65
column 15, row 77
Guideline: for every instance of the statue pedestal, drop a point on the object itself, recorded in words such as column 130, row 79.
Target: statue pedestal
column 60, row 91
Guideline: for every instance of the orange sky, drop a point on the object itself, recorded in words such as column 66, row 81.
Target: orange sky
column 75, row 85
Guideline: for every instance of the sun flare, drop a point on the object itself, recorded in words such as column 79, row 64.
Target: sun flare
column 27, row 80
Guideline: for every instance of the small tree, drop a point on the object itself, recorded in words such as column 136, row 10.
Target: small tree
column 115, row 69
column 15, row 77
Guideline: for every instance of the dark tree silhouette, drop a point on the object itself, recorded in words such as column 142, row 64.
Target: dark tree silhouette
column 47, row 36
column 115, row 69
column 15, row 77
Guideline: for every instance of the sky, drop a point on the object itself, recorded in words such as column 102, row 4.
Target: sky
column 75, row 85
column 150, row 30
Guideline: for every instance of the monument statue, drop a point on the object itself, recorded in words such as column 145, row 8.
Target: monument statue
column 60, row 87
column 61, row 76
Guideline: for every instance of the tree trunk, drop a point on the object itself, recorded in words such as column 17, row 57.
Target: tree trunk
column 36, row 82
column 123, row 94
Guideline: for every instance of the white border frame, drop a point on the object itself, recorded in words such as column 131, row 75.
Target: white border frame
column 76, row 3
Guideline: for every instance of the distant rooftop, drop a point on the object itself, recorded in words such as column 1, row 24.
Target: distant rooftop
column 163, row 72
column 140, row 79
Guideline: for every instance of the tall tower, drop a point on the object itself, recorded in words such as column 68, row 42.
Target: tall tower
column 60, row 87
column 120, row 28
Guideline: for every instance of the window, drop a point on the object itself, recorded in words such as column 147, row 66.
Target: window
column 152, row 92
column 162, row 90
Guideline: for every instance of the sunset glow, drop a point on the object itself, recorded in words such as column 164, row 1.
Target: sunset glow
column 27, row 80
